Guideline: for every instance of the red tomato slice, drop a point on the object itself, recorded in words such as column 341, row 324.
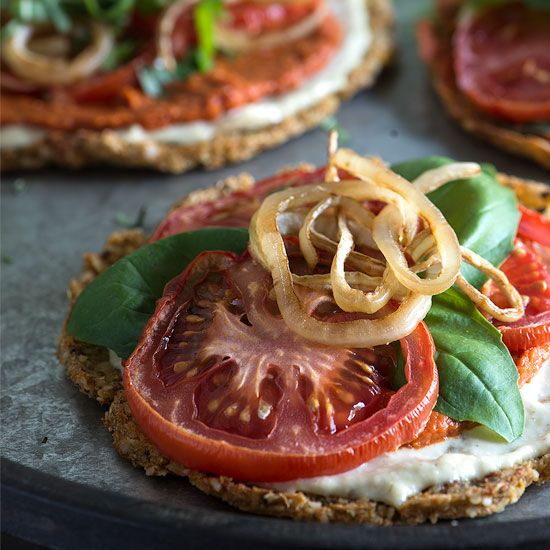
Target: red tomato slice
column 235, row 209
column 220, row 384
column 534, row 226
column 530, row 362
column 502, row 61
column 261, row 17
column 106, row 86
column 527, row 332
column 529, row 274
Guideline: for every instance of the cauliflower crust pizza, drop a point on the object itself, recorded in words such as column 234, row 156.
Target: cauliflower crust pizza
column 490, row 65
column 280, row 351
column 175, row 85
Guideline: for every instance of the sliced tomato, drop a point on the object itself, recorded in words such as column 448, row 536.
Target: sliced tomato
column 527, row 332
column 438, row 428
column 502, row 60
column 220, row 384
column 530, row 275
column 534, row 226
column 106, row 86
column 531, row 361
column 11, row 83
column 260, row 17
column 234, row 209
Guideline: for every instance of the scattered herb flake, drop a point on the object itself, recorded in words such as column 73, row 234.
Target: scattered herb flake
column 331, row 123
column 7, row 260
column 19, row 185
column 131, row 222
column 154, row 78
column 205, row 15
column 119, row 54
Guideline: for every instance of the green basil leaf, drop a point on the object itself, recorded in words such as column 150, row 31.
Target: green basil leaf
column 483, row 213
column 477, row 376
column 113, row 310
column 204, row 17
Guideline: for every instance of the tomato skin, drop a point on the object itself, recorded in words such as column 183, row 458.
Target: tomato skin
column 257, row 18
column 274, row 456
column 497, row 53
column 534, row 226
column 528, row 332
column 531, row 361
column 235, row 209
column 529, row 274
column 106, row 86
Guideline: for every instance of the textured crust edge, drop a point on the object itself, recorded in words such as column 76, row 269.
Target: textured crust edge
column 472, row 120
column 451, row 501
column 89, row 368
column 84, row 147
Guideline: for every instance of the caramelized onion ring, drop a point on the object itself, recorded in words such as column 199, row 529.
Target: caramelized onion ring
column 436, row 177
column 483, row 302
column 46, row 70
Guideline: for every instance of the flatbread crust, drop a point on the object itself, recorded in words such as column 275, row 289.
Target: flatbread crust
column 89, row 368
column 86, row 147
column 472, row 119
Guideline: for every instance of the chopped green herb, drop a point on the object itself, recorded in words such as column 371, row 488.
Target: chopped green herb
column 7, row 260
column 119, row 54
column 154, row 78
column 57, row 15
column 116, row 12
column 205, row 15
column 19, row 185
column 479, row 4
column 331, row 123
column 128, row 222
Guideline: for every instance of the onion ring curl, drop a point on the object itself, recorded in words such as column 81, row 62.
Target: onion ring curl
column 47, row 70
column 379, row 267
column 482, row 301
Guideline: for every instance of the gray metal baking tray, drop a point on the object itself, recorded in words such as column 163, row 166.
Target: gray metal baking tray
column 64, row 485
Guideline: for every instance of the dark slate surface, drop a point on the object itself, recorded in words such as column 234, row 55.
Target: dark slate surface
column 61, row 467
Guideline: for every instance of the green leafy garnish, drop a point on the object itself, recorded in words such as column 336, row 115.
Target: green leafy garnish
column 115, row 12
column 470, row 353
column 477, row 375
column 154, row 78
column 481, row 4
column 115, row 307
column 478, row 378
column 483, row 213
column 6, row 260
column 205, row 15
column 131, row 222
column 119, row 54
column 331, row 123
column 31, row 11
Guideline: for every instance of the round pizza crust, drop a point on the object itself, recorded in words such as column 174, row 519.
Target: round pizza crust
column 87, row 147
column 89, row 368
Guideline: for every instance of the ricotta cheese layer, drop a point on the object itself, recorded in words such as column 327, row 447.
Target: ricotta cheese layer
column 394, row 477
column 354, row 18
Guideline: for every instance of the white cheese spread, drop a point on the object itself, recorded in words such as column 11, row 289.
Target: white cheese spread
column 115, row 360
column 394, row 477
column 354, row 18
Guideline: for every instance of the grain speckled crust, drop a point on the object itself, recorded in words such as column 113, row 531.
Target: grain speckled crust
column 85, row 147
column 89, row 368
column 472, row 120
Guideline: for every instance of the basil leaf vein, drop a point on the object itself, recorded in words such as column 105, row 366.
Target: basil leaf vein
column 114, row 308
